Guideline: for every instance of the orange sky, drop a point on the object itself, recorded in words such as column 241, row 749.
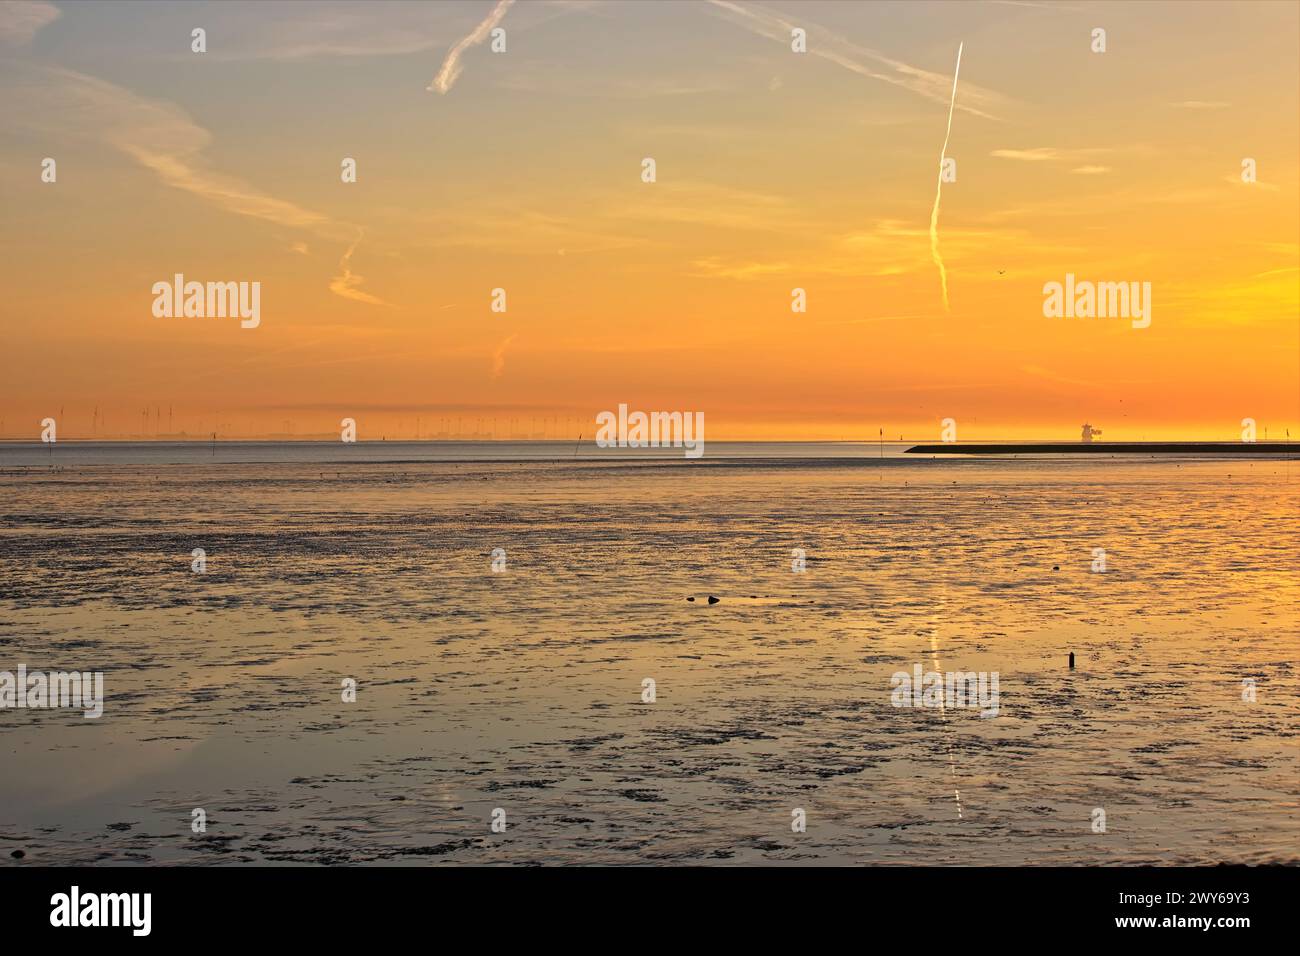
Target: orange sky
column 775, row 170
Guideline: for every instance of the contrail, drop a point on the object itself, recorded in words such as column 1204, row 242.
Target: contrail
column 938, row 189
column 451, row 66
column 860, row 60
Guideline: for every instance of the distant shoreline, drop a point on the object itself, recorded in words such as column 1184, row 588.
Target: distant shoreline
column 942, row 448
column 1107, row 448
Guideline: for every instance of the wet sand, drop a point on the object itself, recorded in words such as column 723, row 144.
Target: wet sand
column 522, row 690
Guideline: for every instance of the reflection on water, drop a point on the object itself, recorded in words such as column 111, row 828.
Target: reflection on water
column 522, row 690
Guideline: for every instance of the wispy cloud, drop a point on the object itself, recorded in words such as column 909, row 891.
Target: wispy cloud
column 886, row 248
column 21, row 20
column 709, row 205
column 713, row 266
column 1085, row 206
column 1051, row 154
column 346, row 283
column 861, row 60
column 157, row 135
column 499, row 356
column 161, row 138
column 1201, row 105
column 300, row 31
column 1036, row 6
column 451, row 67
column 486, row 222
column 1234, row 179
column 543, row 78
column 1039, row 154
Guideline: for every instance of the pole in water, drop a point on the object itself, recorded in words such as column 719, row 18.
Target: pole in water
column 1071, row 660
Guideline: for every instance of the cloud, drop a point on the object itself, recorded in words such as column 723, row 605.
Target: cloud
column 1201, row 105
column 299, row 31
column 705, row 204
column 861, row 60
column 156, row 134
column 346, row 283
column 1234, row 179
column 1050, row 154
column 1082, row 205
column 21, row 20
column 543, row 78
column 302, row 31
column 1036, row 6
column 885, row 248
column 451, row 65
column 499, row 356
column 1038, row 155
column 160, row 137
column 714, row 267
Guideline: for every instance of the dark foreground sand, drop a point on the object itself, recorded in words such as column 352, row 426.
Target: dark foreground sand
column 522, row 690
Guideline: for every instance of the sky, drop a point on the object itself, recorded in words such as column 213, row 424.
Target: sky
column 522, row 170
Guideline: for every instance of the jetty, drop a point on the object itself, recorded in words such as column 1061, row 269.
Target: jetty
column 1211, row 448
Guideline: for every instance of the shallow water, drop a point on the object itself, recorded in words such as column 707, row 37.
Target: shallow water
column 522, row 690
